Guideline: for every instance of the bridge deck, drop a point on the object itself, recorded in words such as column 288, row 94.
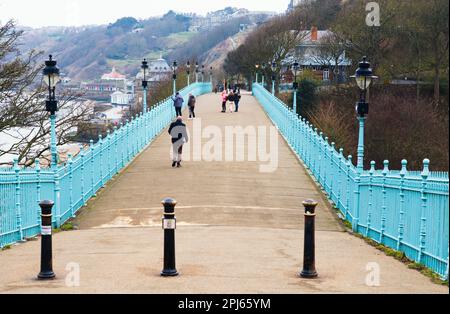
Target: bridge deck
column 239, row 230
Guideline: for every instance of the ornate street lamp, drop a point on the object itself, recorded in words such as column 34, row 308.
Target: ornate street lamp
column 263, row 67
column 295, row 68
column 274, row 70
column 175, row 68
column 144, row 68
column 203, row 73
column 257, row 72
column 188, row 72
column 51, row 78
column 196, row 71
column 364, row 78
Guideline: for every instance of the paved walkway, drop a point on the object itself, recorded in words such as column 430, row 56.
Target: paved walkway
column 239, row 230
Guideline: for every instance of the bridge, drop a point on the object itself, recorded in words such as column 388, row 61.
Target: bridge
column 240, row 219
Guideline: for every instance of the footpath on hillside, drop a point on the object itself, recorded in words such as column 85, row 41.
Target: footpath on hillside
column 239, row 230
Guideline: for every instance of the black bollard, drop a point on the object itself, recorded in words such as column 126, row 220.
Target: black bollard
column 46, row 241
column 309, row 260
column 169, row 226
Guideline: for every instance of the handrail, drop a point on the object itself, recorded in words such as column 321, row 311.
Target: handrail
column 406, row 211
column 72, row 185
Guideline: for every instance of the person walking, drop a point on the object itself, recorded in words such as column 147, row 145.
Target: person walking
column 231, row 99
column 191, row 104
column 178, row 104
column 224, row 100
column 237, row 99
column 179, row 135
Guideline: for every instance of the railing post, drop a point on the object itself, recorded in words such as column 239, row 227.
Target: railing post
column 38, row 190
column 57, row 196
column 320, row 156
column 384, row 205
column 357, row 192
column 341, row 158
column 116, row 137
column 122, row 144
column 100, row 142
column 370, row 205
column 71, row 205
column 314, row 151
column 326, row 163
column 93, row 168
column 110, row 157
column 332, row 150
column 129, row 144
column 423, row 220
column 17, row 200
column 347, row 203
column 83, row 157
column 401, row 222
column 308, row 148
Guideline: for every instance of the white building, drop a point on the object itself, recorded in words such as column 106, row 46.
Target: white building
column 120, row 98
column 158, row 71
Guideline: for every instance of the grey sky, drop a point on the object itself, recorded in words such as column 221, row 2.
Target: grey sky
column 86, row 12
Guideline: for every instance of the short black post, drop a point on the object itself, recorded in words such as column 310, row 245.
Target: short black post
column 309, row 260
column 169, row 226
column 46, row 241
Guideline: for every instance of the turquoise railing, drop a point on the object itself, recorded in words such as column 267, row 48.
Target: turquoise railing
column 406, row 211
column 73, row 184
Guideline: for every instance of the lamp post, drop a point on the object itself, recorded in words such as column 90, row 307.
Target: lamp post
column 295, row 69
column 175, row 68
column 144, row 84
column 211, row 75
column 274, row 69
column 257, row 69
column 203, row 73
column 51, row 78
column 263, row 68
column 196, row 71
column 188, row 72
column 364, row 78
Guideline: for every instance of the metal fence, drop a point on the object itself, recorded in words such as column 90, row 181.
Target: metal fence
column 406, row 211
column 73, row 184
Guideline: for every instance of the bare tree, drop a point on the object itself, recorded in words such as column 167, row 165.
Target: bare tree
column 23, row 119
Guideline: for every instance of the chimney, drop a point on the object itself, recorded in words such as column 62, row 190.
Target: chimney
column 314, row 34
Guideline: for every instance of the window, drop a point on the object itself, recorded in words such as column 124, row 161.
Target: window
column 326, row 75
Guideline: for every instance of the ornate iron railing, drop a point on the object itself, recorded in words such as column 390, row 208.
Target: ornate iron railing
column 73, row 184
column 406, row 211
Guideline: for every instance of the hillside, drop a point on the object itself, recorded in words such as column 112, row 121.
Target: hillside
column 216, row 56
column 85, row 53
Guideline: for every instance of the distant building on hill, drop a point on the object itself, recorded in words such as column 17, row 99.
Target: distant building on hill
column 158, row 71
column 217, row 18
column 105, row 88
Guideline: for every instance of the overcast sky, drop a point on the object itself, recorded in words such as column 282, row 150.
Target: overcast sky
column 38, row 13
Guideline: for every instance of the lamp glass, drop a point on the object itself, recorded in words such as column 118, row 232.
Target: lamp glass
column 52, row 79
column 363, row 82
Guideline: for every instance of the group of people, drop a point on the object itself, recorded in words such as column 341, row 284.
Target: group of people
column 233, row 97
column 178, row 130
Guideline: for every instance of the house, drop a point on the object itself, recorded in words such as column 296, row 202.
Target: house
column 310, row 55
